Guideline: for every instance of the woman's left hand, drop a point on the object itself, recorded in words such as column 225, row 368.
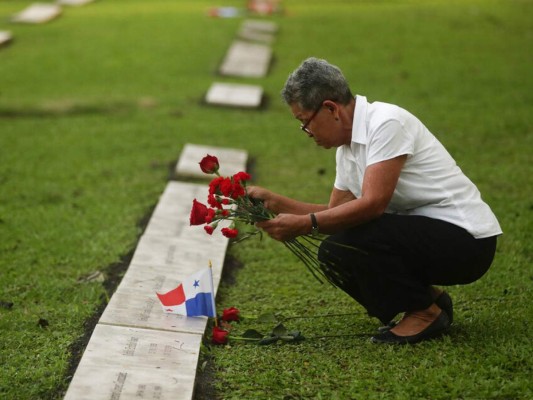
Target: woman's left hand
column 285, row 227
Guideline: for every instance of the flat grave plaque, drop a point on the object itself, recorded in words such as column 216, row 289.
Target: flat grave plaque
column 246, row 60
column 131, row 363
column 231, row 161
column 173, row 254
column 133, row 309
column 170, row 225
column 234, row 95
column 5, row 37
column 256, row 36
column 171, row 215
column 147, row 281
column 260, row 26
column 37, row 13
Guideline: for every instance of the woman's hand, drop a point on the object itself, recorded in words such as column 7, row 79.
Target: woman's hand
column 260, row 193
column 285, row 227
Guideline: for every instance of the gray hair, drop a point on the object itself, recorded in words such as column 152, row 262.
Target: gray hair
column 314, row 81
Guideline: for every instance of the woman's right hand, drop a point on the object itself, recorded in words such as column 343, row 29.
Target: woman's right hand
column 260, row 193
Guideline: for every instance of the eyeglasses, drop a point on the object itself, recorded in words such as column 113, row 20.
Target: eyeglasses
column 303, row 127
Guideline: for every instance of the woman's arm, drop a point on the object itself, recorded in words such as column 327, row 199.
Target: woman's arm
column 378, row 187
column 281, row 204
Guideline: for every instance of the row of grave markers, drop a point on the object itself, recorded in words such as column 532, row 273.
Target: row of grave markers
column 249, row 56
column 137, row 350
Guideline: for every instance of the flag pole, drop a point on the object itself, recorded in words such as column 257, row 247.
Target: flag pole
column 213, row 291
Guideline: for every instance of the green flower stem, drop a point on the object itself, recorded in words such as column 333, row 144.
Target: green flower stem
column 362, row 335
column 243, row 339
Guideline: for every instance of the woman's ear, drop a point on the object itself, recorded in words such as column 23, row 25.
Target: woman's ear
column 331, row 106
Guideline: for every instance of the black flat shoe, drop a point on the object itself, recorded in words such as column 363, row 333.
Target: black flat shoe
column 444, row 301
column 434, row 330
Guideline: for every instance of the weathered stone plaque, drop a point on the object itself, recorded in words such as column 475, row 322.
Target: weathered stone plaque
column 173, row 254
column 231, row 161
column 133, row 309
column 147, row 281
column 246, row 60
column 5, row 37
column 258, row 31
column 37, row 13
column 132, row 363
column 260, row 26
column 255, row 36
column 234, row 95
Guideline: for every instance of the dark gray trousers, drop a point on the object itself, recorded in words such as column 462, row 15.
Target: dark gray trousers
column 398, row 259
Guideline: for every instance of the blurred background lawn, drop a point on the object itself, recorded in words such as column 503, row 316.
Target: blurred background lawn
column 96, row 106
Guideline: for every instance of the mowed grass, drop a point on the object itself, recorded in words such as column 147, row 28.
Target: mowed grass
column 96, row 106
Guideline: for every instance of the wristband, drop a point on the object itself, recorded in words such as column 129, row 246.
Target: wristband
column 314, row 224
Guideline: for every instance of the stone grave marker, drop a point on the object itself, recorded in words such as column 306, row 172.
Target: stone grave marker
column 260, row 26
column 148, row 280
column 231, row 161
column 258, row 31
column 175, row 254
column 134, row 309
column 132, row 363
column 255, row 36
column 5, row 37
column 234, row 95
column 37, row 13
column 246, row 60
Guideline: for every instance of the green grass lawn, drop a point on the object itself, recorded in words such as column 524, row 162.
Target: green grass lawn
column 96, row 106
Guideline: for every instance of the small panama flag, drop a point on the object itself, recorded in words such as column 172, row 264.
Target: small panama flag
column 194, row 296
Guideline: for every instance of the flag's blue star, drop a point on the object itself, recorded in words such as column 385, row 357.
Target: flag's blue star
column 196, row 283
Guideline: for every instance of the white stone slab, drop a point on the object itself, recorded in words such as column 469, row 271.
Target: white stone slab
column 234, row 95
column 74, row 3
column 171, row 215
column 5, row 37
column 37, row 13
column 132, row 309
column 246, row 60
column 146, row 281
column 231, row 161
column 130, row 363
column 174, row 254
column 256, row 36
column 260, row 26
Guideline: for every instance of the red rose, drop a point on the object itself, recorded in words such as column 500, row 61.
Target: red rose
column 209, row 229
column 198, row 213
column 213, row 201
column 230, row 314
column 210, row 215
column 226, row 187
column 209, row 164
column 241, row 176
column 238, row 191
column 214, row 185
column 230, row 233
column 220, row 336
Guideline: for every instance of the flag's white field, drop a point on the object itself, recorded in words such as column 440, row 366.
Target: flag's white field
column 193, row 297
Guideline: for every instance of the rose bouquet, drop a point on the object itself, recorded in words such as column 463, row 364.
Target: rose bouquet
column 228, row 200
